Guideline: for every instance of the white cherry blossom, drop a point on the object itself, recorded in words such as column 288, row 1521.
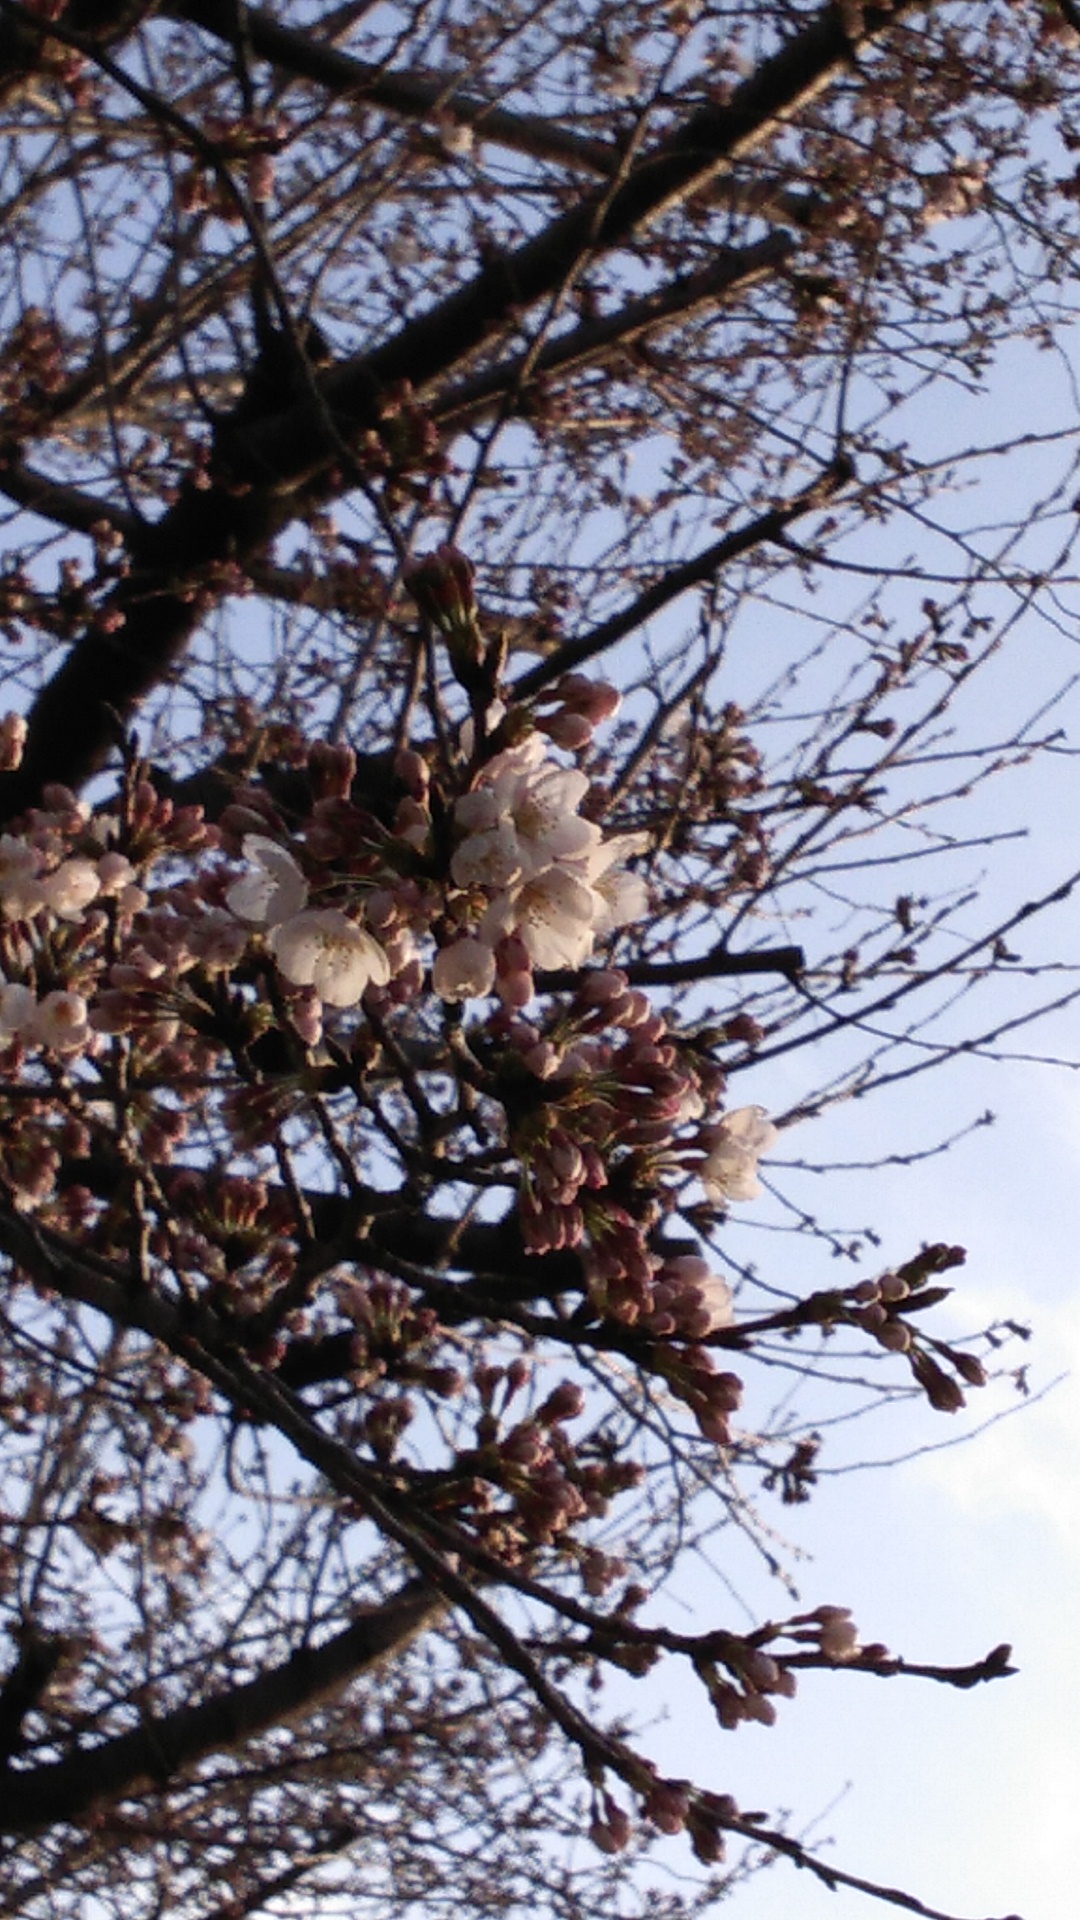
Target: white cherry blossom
column 530, row 804
column 622, row 897
column 20, row 887
column 738, row 1142
column 60, row 1022
column 70, row 888
column 463, row 971
column 491, row 858
column 553, row 914
column 275, row 891
column 115, row 874
column 320, row 948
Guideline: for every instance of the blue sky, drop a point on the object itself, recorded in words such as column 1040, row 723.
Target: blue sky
column 966, row 1799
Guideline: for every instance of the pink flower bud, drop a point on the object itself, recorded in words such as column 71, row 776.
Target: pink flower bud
column 333, row 769
column 601, row 985
column 667, row 1805
column 567, row 1402
column 969, row 1368
column 412, row 770
column 442, row 586
column 12, row 741
column 571, row 731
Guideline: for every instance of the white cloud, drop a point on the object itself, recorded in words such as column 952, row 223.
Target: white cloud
column 1027, row 1463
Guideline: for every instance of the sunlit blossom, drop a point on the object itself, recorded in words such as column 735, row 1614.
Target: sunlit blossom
column 491, row 858
column 463, row 971
column 524, row 812
column 60, row 1022
column 70, row 888
column 274, row 891
column 622, row 896
column 323, row 949
column 552, row 913
column 115, row 874
column 731, row 1170
column 20, row 887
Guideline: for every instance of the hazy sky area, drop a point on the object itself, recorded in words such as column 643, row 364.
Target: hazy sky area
column 967, row 1800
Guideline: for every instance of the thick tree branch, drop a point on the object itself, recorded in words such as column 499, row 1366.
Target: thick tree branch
column 409, row 96
column 67, row 506
column 685, row 162
column 101, row 22
column 438, row 97
column 38, row 1657
column 733, row 270
column 164, row 1745
column 74, row 722
column 718, row 965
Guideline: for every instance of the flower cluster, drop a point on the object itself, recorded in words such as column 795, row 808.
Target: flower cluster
column 284, row 985
column 33, row 368
column 528, row 1486
column 541, row 885
column 319, row 947
column 592, row 1142
column 51, row 903
column 531, row 883
column 881, row 1307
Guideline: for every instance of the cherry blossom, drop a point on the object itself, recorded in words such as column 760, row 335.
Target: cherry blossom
column 60, row 1022
column 20, row 888
column 323, row 949
column 735, row 1146
column 70, row 888
column 553, row 913
column 463, row 971
column 622, row 897
column 524, row 811
column 275, row 891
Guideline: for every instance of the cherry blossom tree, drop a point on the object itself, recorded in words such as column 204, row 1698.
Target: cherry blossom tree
column 461, row 633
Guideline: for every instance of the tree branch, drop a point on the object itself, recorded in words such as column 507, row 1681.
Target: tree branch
column 733, row 270
column 73, row 723
column 412, row 95
column 409, row 96
column 164, row 1745
column 68, row 506
column 789, row 961
column 684, row 163
column 678, row 580
column 833, row 1877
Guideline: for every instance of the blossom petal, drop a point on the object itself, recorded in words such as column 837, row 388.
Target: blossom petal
column 274, row 891
column 322, row 949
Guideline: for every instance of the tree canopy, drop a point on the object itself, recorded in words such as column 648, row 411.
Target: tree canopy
column 497, row 578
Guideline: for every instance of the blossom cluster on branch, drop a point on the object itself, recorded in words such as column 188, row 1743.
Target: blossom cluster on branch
column 190, row 1007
